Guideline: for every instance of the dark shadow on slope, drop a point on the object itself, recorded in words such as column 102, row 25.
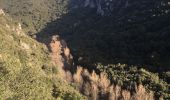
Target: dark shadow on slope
column 120, row 38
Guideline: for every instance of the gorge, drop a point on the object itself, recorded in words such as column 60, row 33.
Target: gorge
column 85, row 49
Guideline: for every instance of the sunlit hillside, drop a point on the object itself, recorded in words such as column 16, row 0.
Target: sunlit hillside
column 85, row 49
column 22, row 72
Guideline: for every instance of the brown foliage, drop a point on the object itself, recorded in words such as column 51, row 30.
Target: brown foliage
column 99, row 87
column 94, row 86
column 142, row 94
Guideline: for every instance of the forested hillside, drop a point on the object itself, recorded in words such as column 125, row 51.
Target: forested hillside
column 127, row 39
column 136, row 35
column 34, row 14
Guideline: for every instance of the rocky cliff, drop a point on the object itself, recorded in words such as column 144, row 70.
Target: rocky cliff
column 107, row 7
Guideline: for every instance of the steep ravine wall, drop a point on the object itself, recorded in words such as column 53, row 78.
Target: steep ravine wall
column 92, row 85
column 114, row 7
column 102, row 7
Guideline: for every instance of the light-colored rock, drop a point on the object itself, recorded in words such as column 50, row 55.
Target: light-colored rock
column 2, row 12
column 103, row 7
column 7, row 26
column 24, row 46
column 19, row 26
column 87, row 2
column 0, row 56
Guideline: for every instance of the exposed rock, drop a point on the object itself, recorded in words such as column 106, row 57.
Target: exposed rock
column 99, row 7
column 24, row 46
column 0, row 56
column 87, row 2
column 7, row 26
column 19, row 26
column 2, row 12
column 18, row 30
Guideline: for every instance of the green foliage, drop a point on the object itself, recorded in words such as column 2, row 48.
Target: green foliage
column 127, row 76
column 22, row 75
column 61, row 91
column 131, row 36
column 34, row 14
column 137, row 35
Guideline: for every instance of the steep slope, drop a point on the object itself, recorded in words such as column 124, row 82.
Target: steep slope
column 95, row 86
column 109, row 7
column 34, row 14
column 135, row 35
column 133, row 32
column 26, row 71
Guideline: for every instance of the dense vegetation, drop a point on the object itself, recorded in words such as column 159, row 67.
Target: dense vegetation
column 128, row 76
column 22, row 75
column 137, row 36
column 34, row 14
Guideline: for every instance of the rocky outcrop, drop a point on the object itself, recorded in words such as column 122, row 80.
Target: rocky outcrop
column 2, row 12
